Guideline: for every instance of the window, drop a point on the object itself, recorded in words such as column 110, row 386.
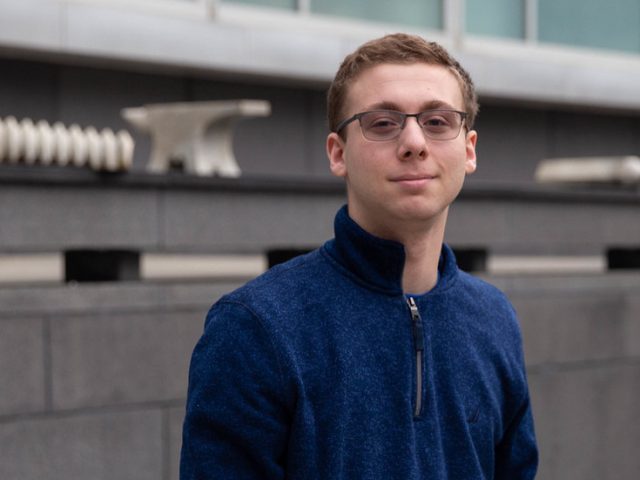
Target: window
column 591, row 23
column 422, row 14
column 287, row 4
column 496, row 18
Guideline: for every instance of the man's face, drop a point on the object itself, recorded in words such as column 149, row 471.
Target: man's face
column 411, row 180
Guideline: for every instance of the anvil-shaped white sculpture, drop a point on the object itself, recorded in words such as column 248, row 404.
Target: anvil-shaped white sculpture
column 198, row 133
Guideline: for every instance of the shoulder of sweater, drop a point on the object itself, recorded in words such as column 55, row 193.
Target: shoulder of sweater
column 480, row 286
column 281, row 280
column 486, row 298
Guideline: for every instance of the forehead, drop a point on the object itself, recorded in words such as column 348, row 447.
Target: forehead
column 409, row 88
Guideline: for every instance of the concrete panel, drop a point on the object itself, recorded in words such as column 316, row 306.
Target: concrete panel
column 31, row 24
column 585, row 422
column 250, row 222
column 538, row 226
column 631, row 314
column 476, row 222
column 575, row 228
column 27, row 89
column 507, row 153
column 535, row 226
column 319, row 129
column 573, row 327
column 548, row 74
column 176, row 37
column 581, row 134
column 102, row 446
column 22, row 371
column 115, row 358
column 108, row 297
column 617, row 229
column 58, row 218
column 157, row 37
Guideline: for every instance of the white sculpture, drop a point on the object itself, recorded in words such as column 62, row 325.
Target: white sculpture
column 42, row 143
column 200, row 134
column 622, row 170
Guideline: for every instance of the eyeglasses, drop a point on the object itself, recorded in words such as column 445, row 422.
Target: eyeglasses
column 382, row 125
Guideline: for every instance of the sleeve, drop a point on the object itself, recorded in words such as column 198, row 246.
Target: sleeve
column 517, row 453
column 236, row 413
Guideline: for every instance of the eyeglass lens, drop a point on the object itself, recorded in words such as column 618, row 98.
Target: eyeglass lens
column 387, row 124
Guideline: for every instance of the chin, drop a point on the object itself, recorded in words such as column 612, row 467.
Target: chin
column 420, row 210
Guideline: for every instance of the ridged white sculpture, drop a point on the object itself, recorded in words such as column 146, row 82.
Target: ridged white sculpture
column 45, row 144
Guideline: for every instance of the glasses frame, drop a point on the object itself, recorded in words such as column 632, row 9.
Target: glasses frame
column 404, row 116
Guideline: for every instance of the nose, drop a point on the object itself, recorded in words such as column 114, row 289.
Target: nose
column 412, row 143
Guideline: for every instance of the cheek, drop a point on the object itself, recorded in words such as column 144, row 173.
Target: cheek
column 455, row 164
column 451, row 157
column 363, row 162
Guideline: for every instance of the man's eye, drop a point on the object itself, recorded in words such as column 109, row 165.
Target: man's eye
column 435, row 122
column 383, row 122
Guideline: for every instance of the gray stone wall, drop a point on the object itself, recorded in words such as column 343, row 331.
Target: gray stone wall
column 582, row 345
column 94, row 376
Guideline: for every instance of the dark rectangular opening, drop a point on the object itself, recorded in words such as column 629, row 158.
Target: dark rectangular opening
column 623, row 258
column 87, row 265
column 471, row 259
column 281, row 255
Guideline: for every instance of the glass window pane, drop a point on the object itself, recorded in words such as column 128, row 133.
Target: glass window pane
column 424, row 14
column 497, row 18
column 288, row 4
column 590, row 23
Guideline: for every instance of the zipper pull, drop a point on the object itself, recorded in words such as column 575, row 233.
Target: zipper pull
column 418, row 329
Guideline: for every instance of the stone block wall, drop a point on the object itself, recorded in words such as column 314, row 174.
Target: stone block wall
column 94, row 377
column 582, row 345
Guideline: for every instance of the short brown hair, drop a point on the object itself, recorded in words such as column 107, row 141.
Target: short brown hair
column 397, row 48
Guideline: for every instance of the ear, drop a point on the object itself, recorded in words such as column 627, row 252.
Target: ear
column 470, row 149
column 335, row 153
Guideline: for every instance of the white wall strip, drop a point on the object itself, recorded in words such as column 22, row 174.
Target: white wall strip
column 49, row 267
column 169, row 266
column 540, row 264
column 31, row 268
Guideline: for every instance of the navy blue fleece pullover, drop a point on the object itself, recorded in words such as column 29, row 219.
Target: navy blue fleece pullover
column 322, row 368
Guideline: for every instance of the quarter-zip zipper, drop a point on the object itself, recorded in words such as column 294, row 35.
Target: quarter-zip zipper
column 418, row 343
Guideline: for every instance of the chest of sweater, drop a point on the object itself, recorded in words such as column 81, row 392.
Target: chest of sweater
column 355, row 373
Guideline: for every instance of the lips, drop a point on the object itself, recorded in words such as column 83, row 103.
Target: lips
column 415, row 182
column 413, row 177
column 409, row 178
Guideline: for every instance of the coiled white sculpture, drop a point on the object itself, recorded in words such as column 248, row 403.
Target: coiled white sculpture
column 29, row 143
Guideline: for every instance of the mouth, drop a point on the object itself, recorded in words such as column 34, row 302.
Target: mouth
column 412, row 177
column 413, row 181
column 418, row 177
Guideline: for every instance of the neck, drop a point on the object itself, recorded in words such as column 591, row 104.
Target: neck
column 422, row 253
column 422, row 243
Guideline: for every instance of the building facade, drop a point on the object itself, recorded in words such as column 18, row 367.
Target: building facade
column 93, row 371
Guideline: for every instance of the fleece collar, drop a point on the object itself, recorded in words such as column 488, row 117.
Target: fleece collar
column 376, row 262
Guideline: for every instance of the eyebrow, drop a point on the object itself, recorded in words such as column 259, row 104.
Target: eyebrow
column 430, row 105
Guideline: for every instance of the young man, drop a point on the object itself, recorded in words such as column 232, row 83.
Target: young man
column 374, row 356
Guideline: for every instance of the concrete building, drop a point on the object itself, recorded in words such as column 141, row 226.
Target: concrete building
column 93, row 373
